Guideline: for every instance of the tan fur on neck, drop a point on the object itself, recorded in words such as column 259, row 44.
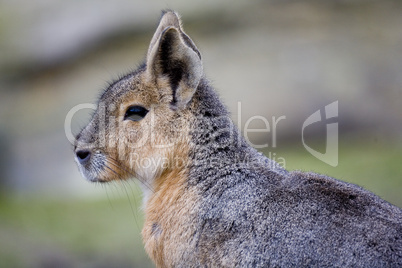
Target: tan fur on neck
column 169, row 223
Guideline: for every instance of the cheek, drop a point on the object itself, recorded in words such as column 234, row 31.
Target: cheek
column 133, row 136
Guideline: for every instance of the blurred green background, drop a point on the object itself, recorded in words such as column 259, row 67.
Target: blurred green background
column 277, row 58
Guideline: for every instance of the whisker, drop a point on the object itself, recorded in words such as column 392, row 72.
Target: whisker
column 114, row 162
column 108, row 198
column 136, row 175
column 127, row 183
column 97, row 166
column 129, row 201
column 116, row 189
column 111, row 169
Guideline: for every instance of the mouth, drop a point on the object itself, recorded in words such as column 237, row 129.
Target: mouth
column 92, row 176
column 98, row 180
column 97, row 169
column 90, row 171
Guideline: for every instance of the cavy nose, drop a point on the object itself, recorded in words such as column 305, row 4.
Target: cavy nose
column 83, row 156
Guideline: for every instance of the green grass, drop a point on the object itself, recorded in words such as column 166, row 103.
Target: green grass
column 38, row 232
column 105, row 232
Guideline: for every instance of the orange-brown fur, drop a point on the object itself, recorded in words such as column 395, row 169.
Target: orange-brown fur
column 170, row 208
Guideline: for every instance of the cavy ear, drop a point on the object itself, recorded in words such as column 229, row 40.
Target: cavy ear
column 173, row 55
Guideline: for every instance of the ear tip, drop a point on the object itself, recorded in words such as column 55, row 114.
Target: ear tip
column 165, row 11
column 171, row 17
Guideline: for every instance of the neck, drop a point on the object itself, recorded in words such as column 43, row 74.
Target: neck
column 170, row 206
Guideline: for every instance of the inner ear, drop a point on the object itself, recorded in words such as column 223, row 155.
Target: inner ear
column 171, row 64
column 174, row 56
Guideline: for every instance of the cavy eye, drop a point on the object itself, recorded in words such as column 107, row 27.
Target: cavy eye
column 135, row 113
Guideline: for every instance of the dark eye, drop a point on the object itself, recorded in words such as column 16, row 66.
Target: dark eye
column 135, row 113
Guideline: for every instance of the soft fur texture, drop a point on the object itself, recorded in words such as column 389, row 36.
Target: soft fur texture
column 212, row 200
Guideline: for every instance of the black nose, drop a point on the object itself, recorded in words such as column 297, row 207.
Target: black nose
column 83, row 156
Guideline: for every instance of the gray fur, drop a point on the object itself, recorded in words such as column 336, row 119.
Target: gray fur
column 255, row 214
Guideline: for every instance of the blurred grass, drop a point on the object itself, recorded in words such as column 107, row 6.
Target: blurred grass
column 105, row 232
column 42, row 232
